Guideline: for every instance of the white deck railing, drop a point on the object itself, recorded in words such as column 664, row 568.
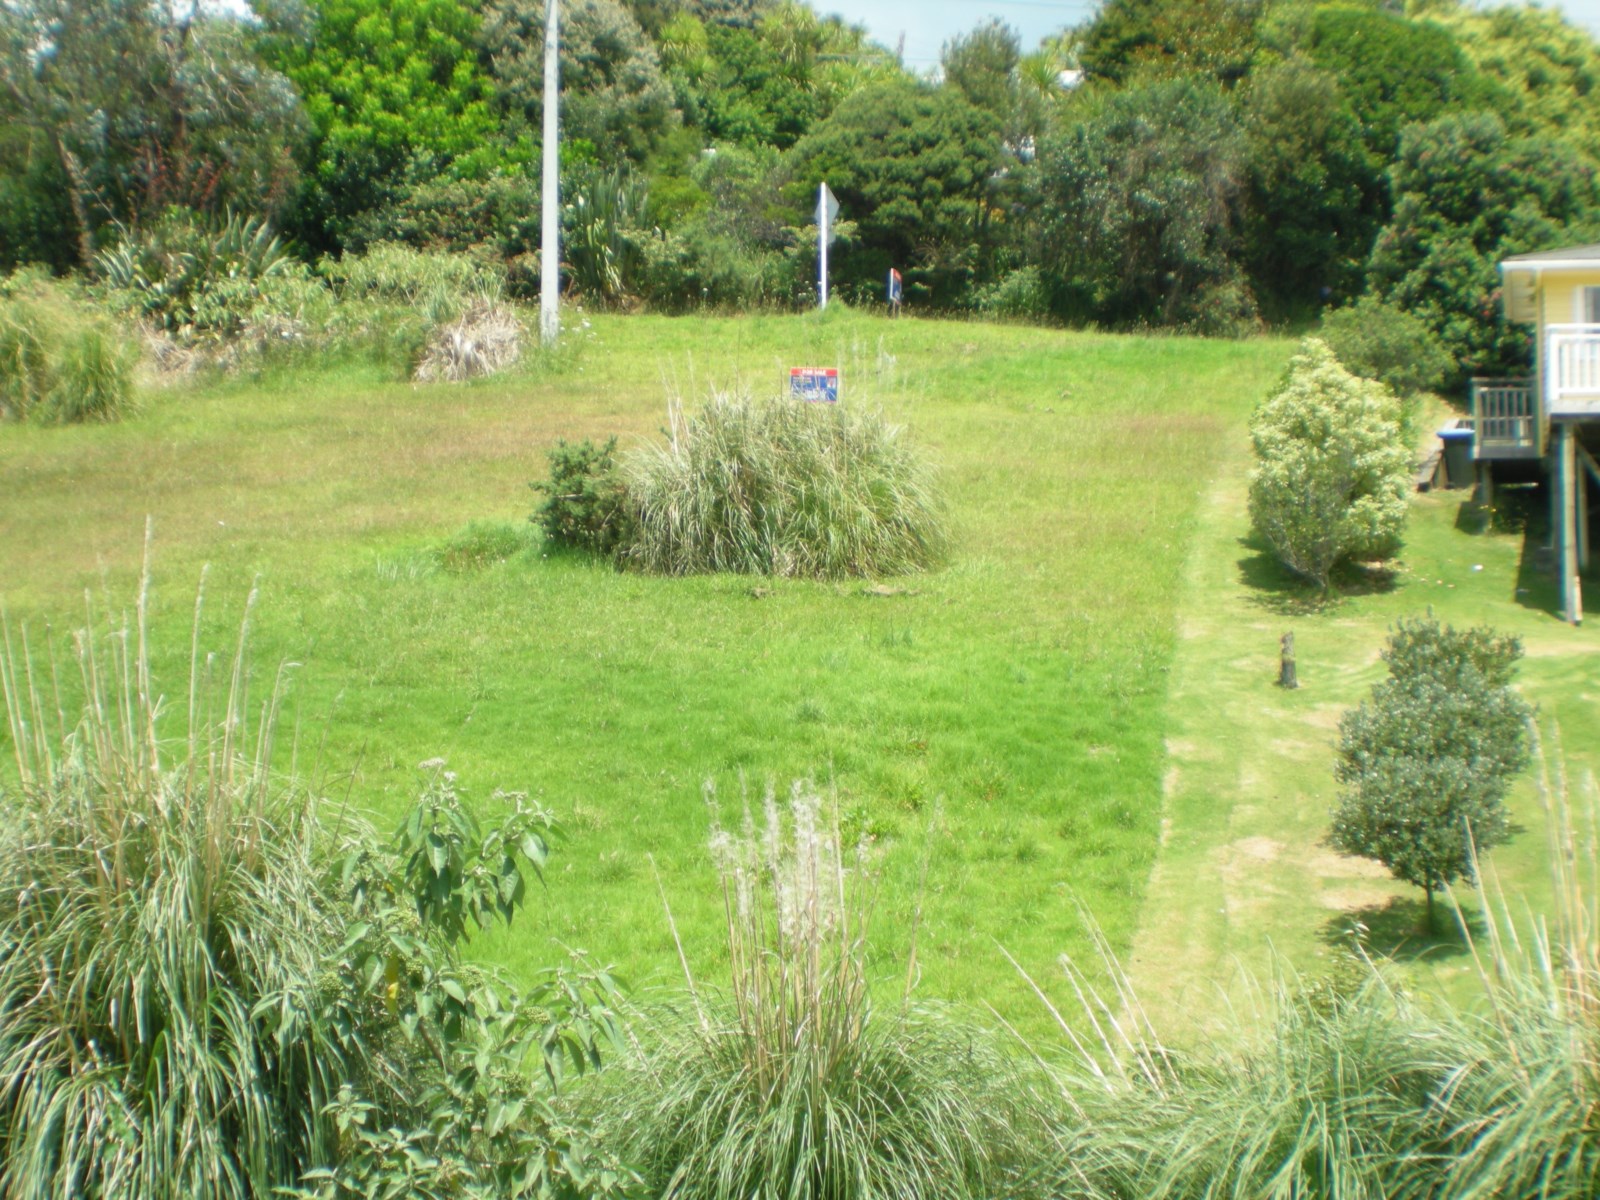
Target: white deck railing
column 1506, row 418
column 1572, row 368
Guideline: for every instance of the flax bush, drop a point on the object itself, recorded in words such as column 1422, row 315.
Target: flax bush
column 780, row 487
column 792, row 1083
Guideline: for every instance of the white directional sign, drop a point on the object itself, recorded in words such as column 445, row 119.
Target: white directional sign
column 827, row 206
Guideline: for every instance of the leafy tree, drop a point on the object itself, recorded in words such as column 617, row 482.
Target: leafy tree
column 911, row 165
column 123, row 108
column 1332, row 473
column 1466, row 195
column 1427, row 759
column 389, row 85
column 1170, row 38
column 768, row 83
column 1313, row 189
column 1394, row 70
column 1138, row 203
column 982, row 66
column 1548, row 67
column 613, row 92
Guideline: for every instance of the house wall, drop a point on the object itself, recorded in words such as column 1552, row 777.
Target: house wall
column 1557, row 296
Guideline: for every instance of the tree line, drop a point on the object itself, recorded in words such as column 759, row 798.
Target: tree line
column 1205, row 165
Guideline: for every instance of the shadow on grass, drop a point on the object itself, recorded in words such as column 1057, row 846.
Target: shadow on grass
column 1398, row 930
column 1536, row 583
column 1279, row 590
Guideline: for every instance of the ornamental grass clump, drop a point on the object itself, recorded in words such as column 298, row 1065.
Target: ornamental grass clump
column 483, row 341
column 163, row 930
column 60, row 361
column 210, row 987
column 780, row 487
column 792, row 1083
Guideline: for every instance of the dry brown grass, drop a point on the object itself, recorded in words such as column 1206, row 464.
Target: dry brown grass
column 484, row 341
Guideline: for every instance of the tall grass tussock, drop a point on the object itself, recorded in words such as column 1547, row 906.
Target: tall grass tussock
column 792, row 1083
column 60, row 362
column 778, row 487
column 1352, row 1087
column 212, row 986
column 163, row 931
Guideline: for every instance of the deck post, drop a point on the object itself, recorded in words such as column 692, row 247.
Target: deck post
column 1567, row 529
column 1557, row 491
column 1580, row 512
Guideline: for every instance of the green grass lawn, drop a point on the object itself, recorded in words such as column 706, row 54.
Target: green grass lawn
column 1003, row 717
column 1245, row 883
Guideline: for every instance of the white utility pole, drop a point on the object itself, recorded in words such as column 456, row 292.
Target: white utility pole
column 827, row 209
column 550, row 190
column 822, row 239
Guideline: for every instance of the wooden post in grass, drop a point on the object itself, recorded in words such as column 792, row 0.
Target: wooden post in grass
column 1287, row 678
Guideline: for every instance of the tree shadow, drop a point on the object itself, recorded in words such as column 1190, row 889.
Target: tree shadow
column 1272, row 585
column 1397, row 930
column 1279, row 590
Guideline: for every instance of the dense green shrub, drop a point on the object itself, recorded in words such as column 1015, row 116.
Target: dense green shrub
column 698, row 267
column 1332, row 471
column 60, row 362
column 500, row 212
column 1381, row 341
column 585, row 503
column 440, row 285
column 1021, row 294
column 794, row 1085
column 1427, row 760
column 782, row 487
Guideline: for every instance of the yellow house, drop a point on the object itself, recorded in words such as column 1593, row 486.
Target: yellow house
column 1551, row 415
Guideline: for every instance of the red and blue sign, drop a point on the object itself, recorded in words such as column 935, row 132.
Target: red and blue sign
column 819, row 384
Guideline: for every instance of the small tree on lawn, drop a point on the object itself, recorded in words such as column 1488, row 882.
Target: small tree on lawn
column 1332, row 469
column 1426, row 760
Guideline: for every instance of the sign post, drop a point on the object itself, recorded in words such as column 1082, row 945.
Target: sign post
column 827, row 210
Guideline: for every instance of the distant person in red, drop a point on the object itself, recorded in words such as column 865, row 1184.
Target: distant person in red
column 894, row 292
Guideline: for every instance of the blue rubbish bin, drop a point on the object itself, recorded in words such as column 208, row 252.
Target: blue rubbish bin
column 1458, row 470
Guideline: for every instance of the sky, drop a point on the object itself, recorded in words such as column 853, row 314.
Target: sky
column 927, row 24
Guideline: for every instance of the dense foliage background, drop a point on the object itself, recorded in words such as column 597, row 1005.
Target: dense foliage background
column 1208, row 166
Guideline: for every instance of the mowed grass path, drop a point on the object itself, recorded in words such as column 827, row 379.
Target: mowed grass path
column 1245, row 883
column 1003, row 717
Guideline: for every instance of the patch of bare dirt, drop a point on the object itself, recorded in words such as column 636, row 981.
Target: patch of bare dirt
column 1257, row 849
column 1351, row 899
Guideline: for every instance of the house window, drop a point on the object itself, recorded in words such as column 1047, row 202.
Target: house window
column 1589, row 305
